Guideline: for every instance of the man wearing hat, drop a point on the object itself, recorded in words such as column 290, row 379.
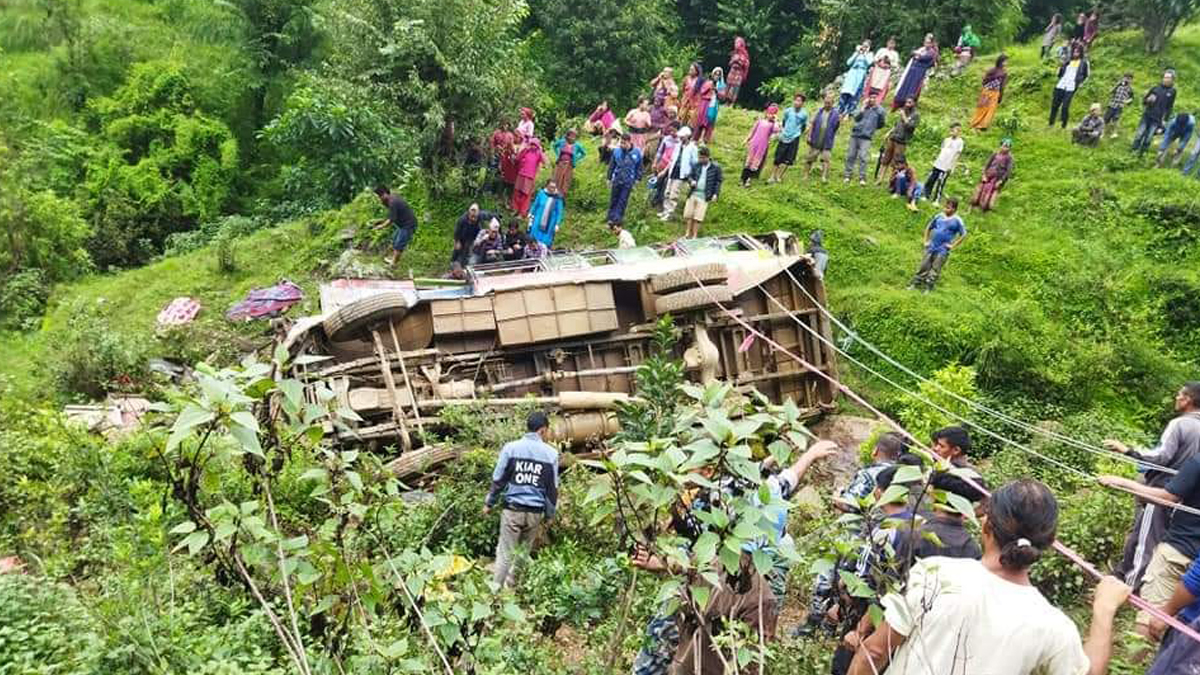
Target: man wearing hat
column 679, row 172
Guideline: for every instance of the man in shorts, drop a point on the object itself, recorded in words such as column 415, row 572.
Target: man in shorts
column 1179, row 546
column 706, row 186
column 401, row 217
column 795, row 119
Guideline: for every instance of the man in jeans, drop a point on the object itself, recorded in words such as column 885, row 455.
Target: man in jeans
column 1178, row 131
column 867, row 121
column 1156, row 108
column 897, row 140
column 527, row 475
column 943, row 234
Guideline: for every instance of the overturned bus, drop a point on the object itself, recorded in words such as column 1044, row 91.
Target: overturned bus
column 568, row 330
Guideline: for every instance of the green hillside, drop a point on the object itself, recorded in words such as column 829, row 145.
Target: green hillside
column 1076, row 302
column 1076, row 294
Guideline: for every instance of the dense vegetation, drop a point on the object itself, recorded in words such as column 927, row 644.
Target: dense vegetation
column 153, row 150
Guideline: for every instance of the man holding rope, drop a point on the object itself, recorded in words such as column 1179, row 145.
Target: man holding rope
column 1180, row 442
column 1181, row 542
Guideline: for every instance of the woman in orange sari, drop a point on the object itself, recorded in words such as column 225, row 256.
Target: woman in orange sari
column 991, row 95
column 687, row 99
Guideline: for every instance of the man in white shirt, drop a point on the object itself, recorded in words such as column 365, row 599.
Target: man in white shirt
column 943, row 166
column 624, row 237
column 679, row 172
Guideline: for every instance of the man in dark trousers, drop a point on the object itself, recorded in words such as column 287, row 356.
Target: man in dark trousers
column 1157, row 105
column 401, row 217
column 526, row 475
column 1180, row 441
column 465, row 232
column 623, row 173
column 943, row 234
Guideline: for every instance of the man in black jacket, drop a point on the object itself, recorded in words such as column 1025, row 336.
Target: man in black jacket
column 706, row 186
column 1156, row 108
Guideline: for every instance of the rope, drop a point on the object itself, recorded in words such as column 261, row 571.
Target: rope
column 1026, row 426
column 1071, row 555
column 1057, row 462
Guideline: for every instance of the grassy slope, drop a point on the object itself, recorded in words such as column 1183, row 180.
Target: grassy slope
column 1042, row 288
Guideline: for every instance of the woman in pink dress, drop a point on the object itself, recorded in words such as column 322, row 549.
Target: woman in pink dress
column 637, row 123
column 601, row 120
column 687, row 100
column 757, row 143
column 739, row 67
column 529, row 159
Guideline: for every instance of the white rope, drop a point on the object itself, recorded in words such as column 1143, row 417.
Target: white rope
column 1026, row 426
column 982, row 429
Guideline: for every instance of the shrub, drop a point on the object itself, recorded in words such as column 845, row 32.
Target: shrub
column 163, row 166
column 23, row 298
column 93, row 356
column 43, row 629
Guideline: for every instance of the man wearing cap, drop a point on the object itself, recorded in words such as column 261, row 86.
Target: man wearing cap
column 488, row 245
column 526, row 479
column 679, row 172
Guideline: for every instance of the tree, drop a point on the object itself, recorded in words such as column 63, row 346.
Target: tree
column 445, row 69
column 162, row 165
column 1158, row 18
column 41, row 230
column 770, row 27
column 607, row 53
column 336, row 140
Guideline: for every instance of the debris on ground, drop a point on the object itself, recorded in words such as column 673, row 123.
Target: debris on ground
column 262, row 303
column 117, row 415
column 180, row 311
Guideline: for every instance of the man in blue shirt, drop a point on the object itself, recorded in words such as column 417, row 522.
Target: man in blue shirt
column 526, row 474
column 1179, row 130
column 795, row 119
column 1176, row 654
column 623, row 173
column 944, row 232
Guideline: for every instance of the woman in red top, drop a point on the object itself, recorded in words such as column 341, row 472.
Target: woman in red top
column 502, row 154
column 739, row 67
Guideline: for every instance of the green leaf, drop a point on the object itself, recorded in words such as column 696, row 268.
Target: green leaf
column 512, row 612
column 894, row 494
column 701, row 595
column 245, row 419
column 601, row 487
column 194, row 542
column 225, row 530
column 191, row 417
column 294, row 543
column 249, row 507
column 706, row 548
column 314, row 474
column 355, row 480
column 185, row 527
column 962, row 505
column 247, row 439
column 479, row 611
column 908, row 474
column 293, row 392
